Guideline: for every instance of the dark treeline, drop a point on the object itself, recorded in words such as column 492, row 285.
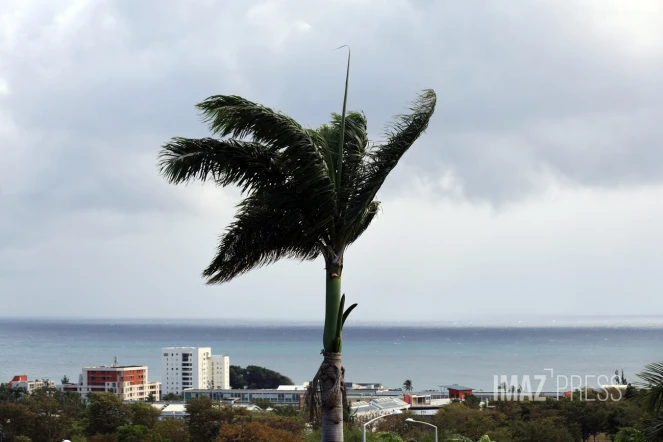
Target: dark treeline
column 254, row 377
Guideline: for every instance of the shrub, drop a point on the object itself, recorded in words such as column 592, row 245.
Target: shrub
column 255, row 432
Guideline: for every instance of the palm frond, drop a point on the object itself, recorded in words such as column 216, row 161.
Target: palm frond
column 300, row 157
column 653, row 385
column 231, row 115
column 339, row 165
column 354, row 150
column 322, row 137
column 653, row 428
column 358, row 228
column 245, row 164
column 262, row 233
column 404, row 131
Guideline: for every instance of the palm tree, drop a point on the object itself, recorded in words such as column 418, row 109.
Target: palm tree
column 407, row 385
column 653, row 400
column 309, row 193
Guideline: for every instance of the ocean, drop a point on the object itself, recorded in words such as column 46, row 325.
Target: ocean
column 428, row 354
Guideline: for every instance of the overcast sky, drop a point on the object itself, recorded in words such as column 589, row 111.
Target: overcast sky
column 537, row 189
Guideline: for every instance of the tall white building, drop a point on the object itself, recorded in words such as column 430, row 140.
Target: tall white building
column 193, row 367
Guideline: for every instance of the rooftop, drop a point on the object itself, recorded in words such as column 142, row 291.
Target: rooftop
column 114, row 366
column 456, row 387
column 293, row 387
column 379, row 405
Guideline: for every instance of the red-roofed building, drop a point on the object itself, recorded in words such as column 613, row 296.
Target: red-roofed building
column 457, row 391
column 17, row 379
column 21, row 381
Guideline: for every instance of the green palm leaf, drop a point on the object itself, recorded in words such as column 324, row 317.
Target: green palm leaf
column 404, row 131
column 653, row 385
column 261, row 233
column 248, row 165
column 230, row 115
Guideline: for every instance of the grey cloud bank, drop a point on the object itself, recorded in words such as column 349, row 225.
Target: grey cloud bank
column 535, row 189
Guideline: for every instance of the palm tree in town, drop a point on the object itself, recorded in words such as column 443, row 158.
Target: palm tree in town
column 308, row 193
column 407, row 385
column 653, row 399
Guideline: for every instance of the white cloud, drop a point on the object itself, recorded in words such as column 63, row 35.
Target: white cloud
column 633, row 27
column 537, row 179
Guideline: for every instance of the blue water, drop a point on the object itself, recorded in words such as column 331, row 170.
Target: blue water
column 428, row 355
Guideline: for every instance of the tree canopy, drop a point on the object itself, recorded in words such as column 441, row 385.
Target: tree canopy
column 255, row 377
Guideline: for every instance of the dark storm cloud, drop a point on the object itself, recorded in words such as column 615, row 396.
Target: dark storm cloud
column 519, row 87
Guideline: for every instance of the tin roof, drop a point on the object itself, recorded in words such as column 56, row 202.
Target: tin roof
column 456, row 387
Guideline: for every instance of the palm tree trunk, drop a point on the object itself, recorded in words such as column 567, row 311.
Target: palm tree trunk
column 332, row 304
column 331, row 386
column 332, row 382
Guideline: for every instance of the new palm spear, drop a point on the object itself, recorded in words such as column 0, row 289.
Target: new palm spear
column 308, row 193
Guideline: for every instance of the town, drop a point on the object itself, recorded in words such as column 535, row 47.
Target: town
column 194, row 372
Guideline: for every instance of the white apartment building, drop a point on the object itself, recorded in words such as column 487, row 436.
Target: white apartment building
column 193, row 367
column 220, row 372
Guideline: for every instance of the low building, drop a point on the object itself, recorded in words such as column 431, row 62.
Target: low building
column 177, row 410
column 456, row 391
column 427, row 400
column 171, row 410
column 283, row 395
column 378, row 407
column 128, row 382
column 416, row 400
column 21, row 381
column 364, row 386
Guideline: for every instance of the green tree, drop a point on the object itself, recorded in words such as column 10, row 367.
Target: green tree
column 458, row 438
column 543, row 430
column 389, row 437
column 653, row 400
column 137, row 433
column 106, row 413
column 151, row 398
column 11, row 394
column 53, row 419
column 255, row 377
column 620, row 380
column 173, row 430
column 144, row 414
column 472, row 401
column 286, row 411
column 263, row 403
column 236, row 375
column 622, row 414
column 172, row 397
column 103, row 438
column 594, row 419
column 460, row 419
column 206, row 418
column 65, row 380
column 407, row 385
column 629, row 434
column 309, row 194
column 15, row 419
column 255, row 432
